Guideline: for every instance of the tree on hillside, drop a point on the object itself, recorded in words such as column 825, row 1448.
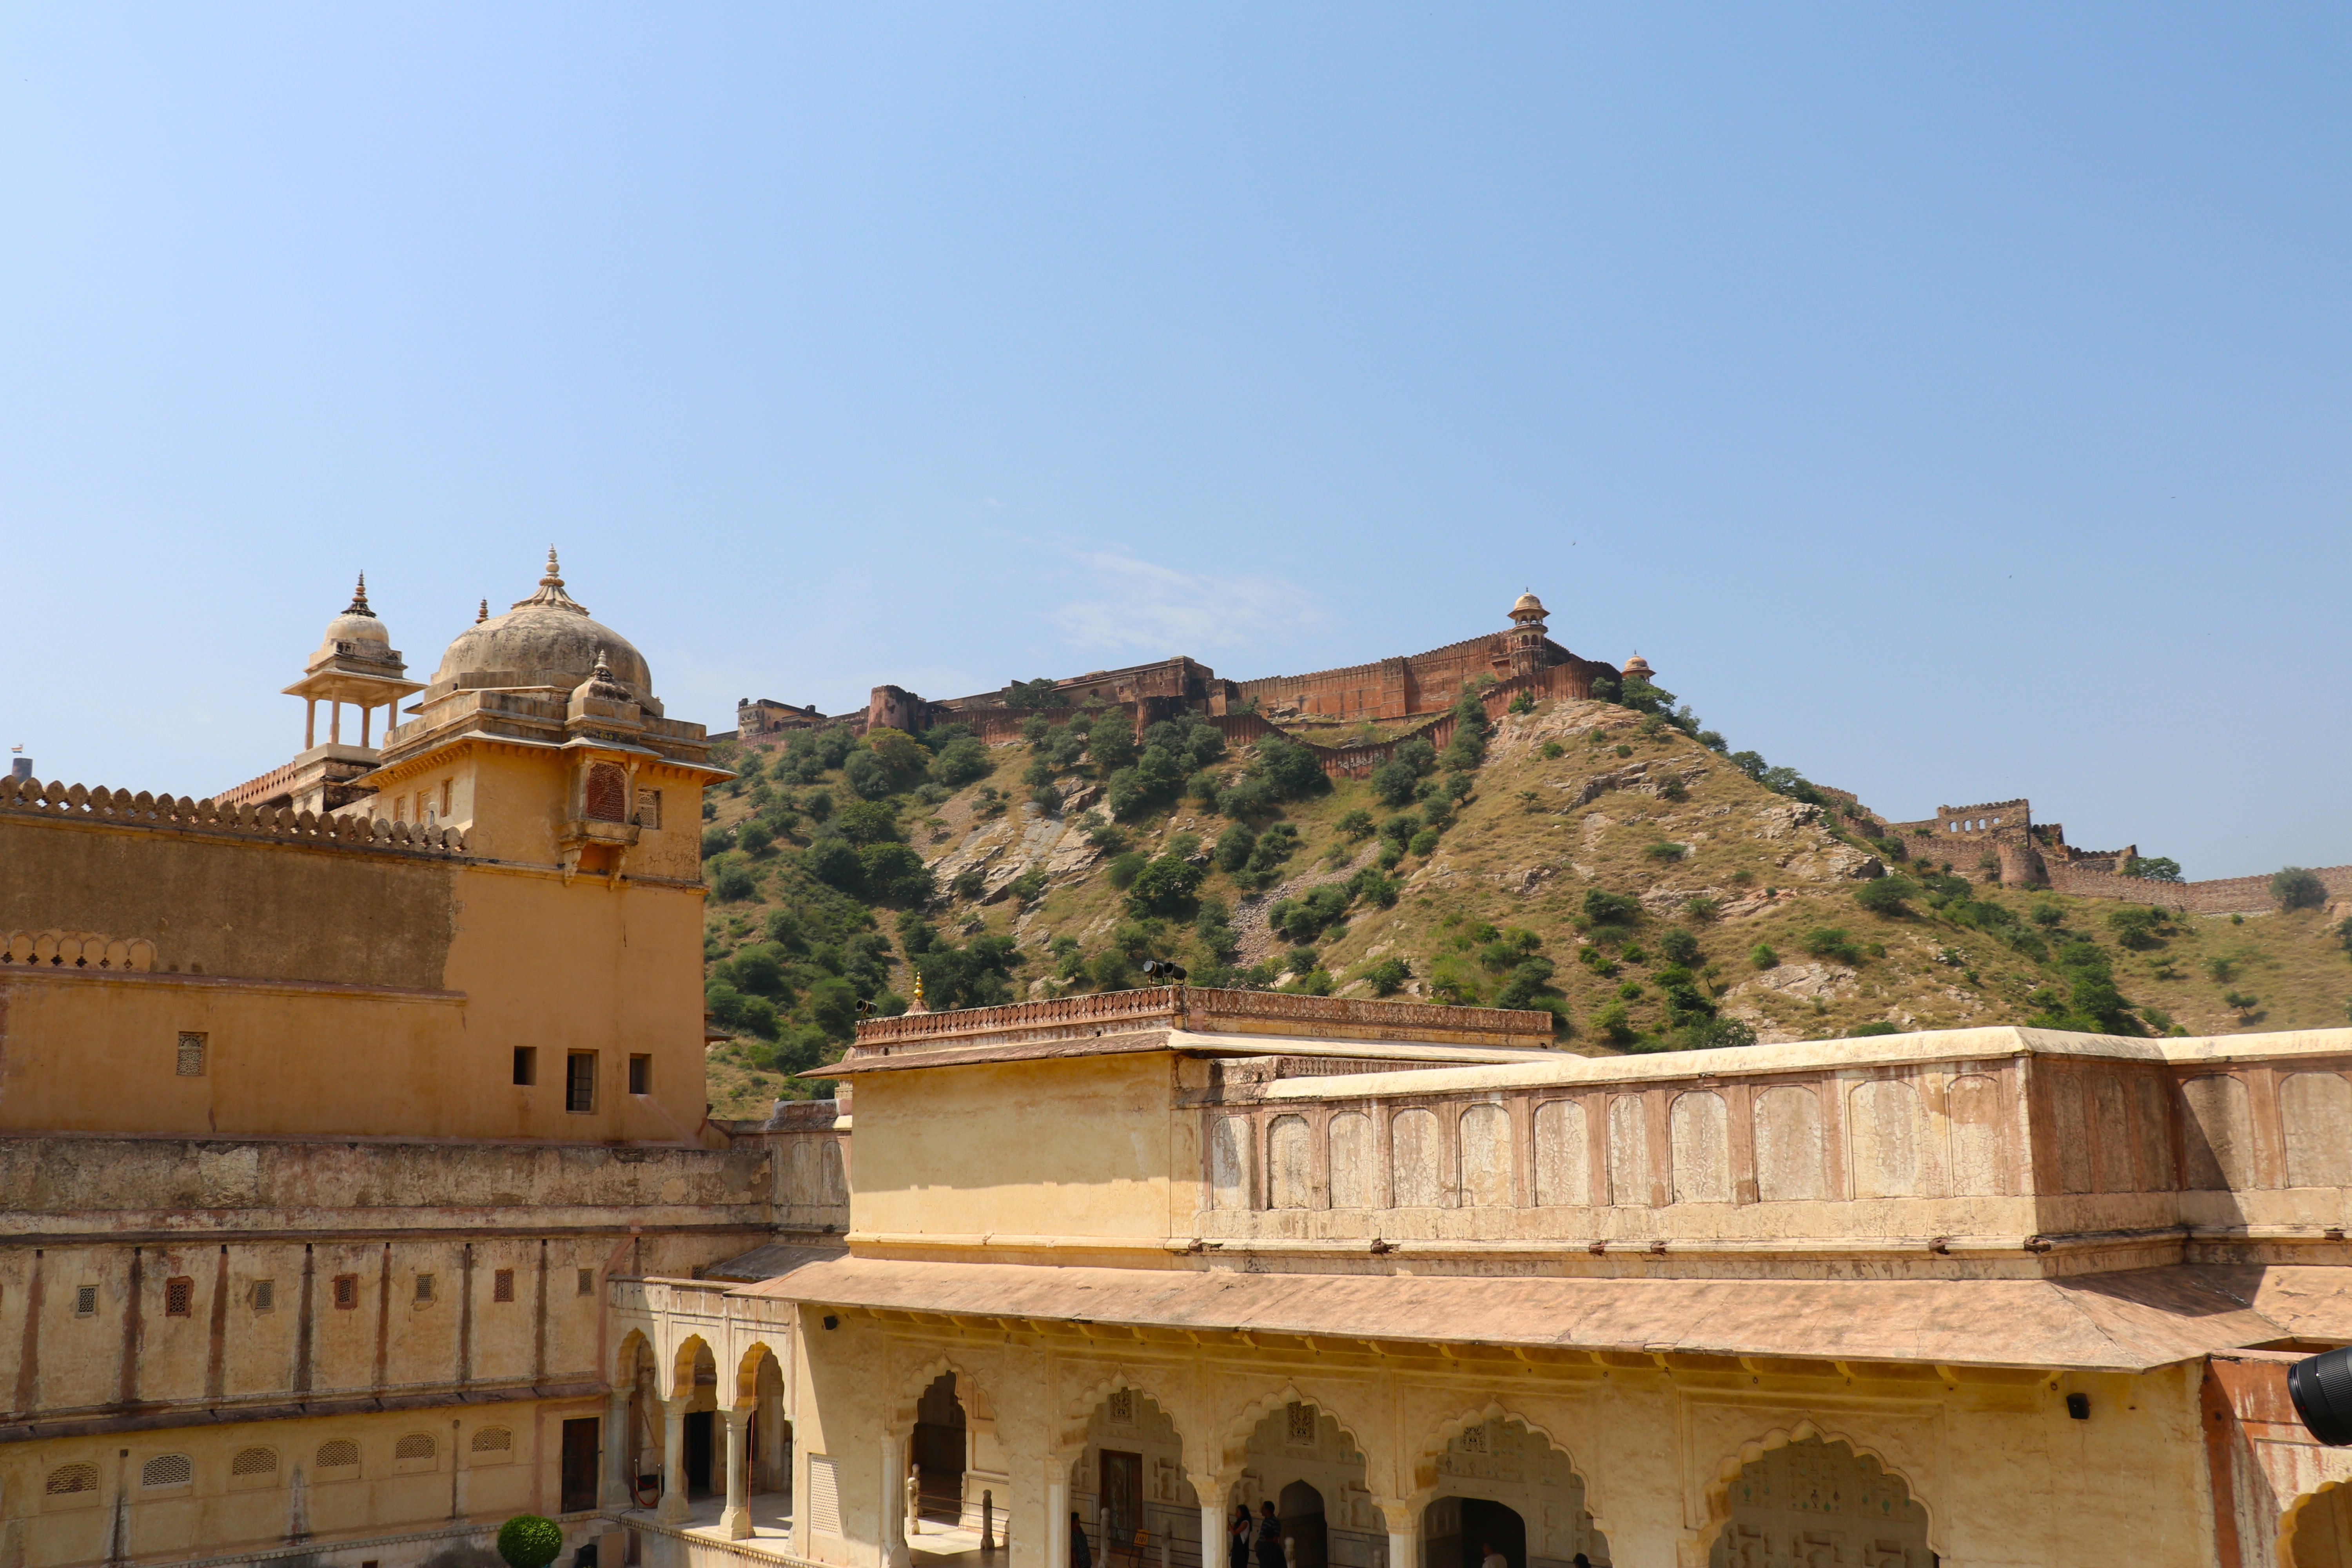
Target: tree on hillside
column 2297, row 888
column 2153, row 868
column 1028, row 696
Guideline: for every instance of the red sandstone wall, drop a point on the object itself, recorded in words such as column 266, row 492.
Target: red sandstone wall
column 2220, row 896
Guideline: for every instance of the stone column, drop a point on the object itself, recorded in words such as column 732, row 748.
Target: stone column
column 1212, row 1528
column 309, row 722
column 334, row 721
column 893, row 1519
column 737, row 1521
column 1404, row 1535
column 1057, row 1512
column 673, row 1506
column 618, row 1481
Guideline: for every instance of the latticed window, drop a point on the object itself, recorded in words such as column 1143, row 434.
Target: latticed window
column 67, row 1480
column 265, row 1295
column 347, row 1292
column 179, row 1297
column 493, row 1440
column 254, row 1462
column 415, row 1446
column 608, row 794
column 587, row 1282
column 1302, row 1422
column 84, row 1301
column 191, row 1054
column 424, row 1286
column 337, row 1454
column 503, row 1284
column 166, row 1470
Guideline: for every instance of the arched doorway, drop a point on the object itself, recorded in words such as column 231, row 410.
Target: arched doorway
column 768, row 1436
column 2320, row 1531
column 941, row 1452
column 1129, row 1489
column 1300, row 1508
column 1501, row 1484
column 1459, row 1532
column 641, row 1426
column 704, row 1477
column 1813, row 1496
column 1300, row 1459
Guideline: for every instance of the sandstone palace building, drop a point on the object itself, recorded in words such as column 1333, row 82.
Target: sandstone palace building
column 361, row 1195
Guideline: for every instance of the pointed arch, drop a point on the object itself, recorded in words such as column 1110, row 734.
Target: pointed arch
column 971, row 1391
column 682, row 1362
column 1727, row 1473
column 747, row 1370
column 1426, row 1480
column 1080, row 1409
column 1234, row 1442
column 635, row 1350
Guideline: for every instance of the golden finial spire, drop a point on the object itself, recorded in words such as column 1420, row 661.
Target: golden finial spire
column 916, row 1005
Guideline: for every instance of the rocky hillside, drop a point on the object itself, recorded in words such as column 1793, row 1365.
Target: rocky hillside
column 1582, row 858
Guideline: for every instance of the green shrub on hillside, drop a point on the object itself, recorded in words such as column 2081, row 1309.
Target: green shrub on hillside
column 1125, row 868
column 1607, row 909
column 1831, row 941
column 1888, row 896
column 2153, row 868
column 1165, row 886
column 2297, row 888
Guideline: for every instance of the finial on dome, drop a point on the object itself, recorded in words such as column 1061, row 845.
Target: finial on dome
column 482, row 614
column 550, row 590
column 917, row 1005
column 359, row 599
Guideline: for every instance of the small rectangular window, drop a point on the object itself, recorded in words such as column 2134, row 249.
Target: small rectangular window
column 641, row 1075
column 449, row 792
column 347, row 1292
column 503, row 1284
column 265, row 1295
column 579, row 1082
column 191, row 1054
column 180, row 1296
column 86, row 1302
column 587, row 1282
column 649, row 809
column 526, row 1065
column 424, row 1286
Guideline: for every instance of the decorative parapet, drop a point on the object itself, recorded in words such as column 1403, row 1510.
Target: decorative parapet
column 76, row 949
column 57, row 802
column 1209, row 1010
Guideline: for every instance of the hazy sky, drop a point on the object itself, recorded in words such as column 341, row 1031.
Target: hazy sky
column 1950, row 404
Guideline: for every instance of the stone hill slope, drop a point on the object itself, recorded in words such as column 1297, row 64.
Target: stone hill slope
column 1607, row 867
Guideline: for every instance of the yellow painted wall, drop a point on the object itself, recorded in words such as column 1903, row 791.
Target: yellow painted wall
column 1081, row 1149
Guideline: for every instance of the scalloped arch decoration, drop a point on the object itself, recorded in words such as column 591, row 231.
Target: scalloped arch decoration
column 682, row 1363
column 1718, row 1491
column 635, row 1349
column 1233, row 1444
column 747, row 1369
column 2338, row 1493
column 972, row 1389
column 1425, row 1479
column 1080, row 1409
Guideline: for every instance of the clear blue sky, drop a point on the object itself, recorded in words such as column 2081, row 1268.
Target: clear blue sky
column 1950, row 404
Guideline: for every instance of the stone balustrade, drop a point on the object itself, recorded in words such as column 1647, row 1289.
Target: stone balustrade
column 59, row 802
column 1211, row 1010
column 76, row 949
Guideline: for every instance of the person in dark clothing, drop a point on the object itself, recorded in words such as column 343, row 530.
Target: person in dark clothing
column 1238, row 1530
column 1269, row 1538
column 1082, row 1556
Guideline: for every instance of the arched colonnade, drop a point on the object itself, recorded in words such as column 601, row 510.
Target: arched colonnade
column 685, row 1428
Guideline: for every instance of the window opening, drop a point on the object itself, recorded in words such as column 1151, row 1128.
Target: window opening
column 424, row 1286
column 86, row 1302
column 641, row 1075
column 265, row 1295
column 340, row 1452
column 347, row 1292
column 179, row 1297
column 503, row 1284
column 254, row 1462
column 526, row 1065
column 587, row 1282
column 608, row 794
column 579, row 1082
column 191, row 1062
column 166, row 1470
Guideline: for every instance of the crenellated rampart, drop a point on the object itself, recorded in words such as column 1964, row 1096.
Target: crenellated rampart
column 56, row 802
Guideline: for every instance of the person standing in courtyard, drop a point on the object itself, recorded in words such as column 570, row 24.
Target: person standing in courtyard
column 1237, row 1537
column 1269, row 1538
